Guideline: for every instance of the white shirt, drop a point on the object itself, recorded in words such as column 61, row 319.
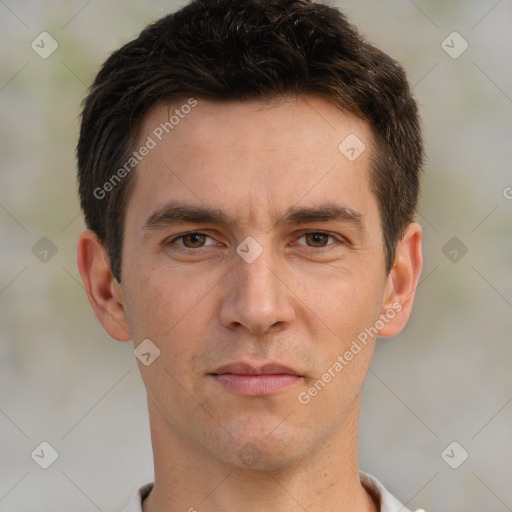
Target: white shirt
column 388, row 503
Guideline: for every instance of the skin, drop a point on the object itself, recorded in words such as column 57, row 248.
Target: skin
column 300, row 303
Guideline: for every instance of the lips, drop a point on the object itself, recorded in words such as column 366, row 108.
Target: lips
column 247, row 369
column 246, row 380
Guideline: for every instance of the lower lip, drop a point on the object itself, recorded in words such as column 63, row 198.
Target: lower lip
column 256, row 385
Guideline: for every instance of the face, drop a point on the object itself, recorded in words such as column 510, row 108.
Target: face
column 253, row 259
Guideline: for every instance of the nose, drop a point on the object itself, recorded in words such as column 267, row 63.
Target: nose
column 258, row 295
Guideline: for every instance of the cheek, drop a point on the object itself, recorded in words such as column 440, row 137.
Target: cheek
column 164, row 301
column 173, row 311
column 345, row 311
column 346, row 304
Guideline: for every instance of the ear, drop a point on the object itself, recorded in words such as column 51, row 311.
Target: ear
column 103, row 291
column 402, row 281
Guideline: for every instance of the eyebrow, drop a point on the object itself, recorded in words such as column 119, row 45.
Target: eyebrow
column 176, row 213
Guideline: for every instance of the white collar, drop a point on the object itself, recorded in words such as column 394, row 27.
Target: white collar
column 388, row 503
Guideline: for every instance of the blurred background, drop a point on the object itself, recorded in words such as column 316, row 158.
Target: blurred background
column 437, row 409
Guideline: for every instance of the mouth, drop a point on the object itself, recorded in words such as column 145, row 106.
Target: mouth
column 246, row 380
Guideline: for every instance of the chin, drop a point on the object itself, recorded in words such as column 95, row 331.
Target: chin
column 254, row 456
column 265, row 447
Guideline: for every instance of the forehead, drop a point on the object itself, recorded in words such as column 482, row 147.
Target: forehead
column 252, row 158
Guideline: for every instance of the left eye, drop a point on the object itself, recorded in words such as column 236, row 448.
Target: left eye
column 193, row 240
column 317, row 239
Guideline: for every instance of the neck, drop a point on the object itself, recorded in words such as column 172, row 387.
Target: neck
column 187, row 478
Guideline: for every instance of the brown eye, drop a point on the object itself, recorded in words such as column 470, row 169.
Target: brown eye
column 194, row 240
column 317, row 239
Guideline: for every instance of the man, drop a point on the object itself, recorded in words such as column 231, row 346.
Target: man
column 249, row 172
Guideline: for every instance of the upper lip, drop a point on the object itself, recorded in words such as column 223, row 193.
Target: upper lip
column 247, row 369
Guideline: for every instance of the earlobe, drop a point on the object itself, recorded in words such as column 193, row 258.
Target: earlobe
column 102, row 290
column 403, row 280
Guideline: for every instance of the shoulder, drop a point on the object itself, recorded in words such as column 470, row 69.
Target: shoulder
column 135, row 503
column 388, row 503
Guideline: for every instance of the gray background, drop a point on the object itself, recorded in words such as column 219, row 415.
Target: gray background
column 446, row 378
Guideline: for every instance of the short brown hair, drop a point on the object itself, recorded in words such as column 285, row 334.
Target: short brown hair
column 245, row 50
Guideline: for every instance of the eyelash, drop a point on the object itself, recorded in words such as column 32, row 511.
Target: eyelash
column 182, row 248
